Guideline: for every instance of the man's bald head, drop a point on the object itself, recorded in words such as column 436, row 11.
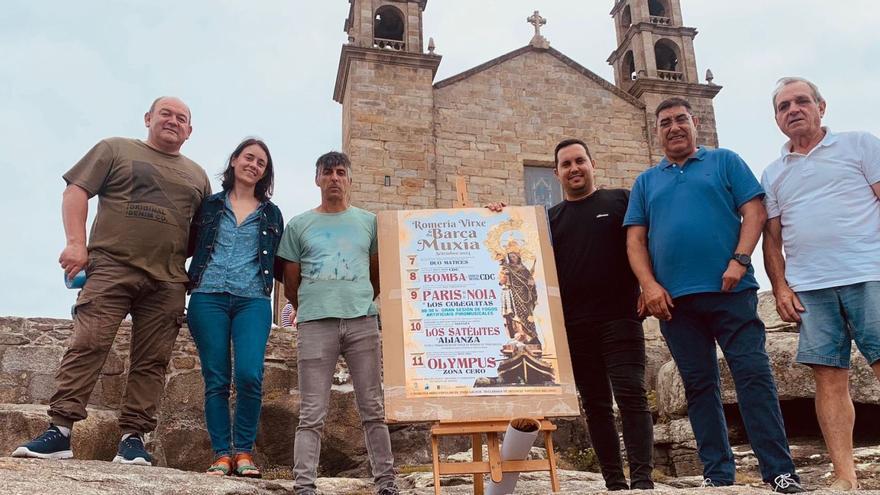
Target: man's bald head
column 176, row 99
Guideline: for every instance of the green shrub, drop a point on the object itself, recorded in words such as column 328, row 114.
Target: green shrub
column 582, row 459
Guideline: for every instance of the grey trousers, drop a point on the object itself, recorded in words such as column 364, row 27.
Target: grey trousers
column 319, row 345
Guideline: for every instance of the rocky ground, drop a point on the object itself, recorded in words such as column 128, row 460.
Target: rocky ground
column 31, row 348
column 30, row 476
column 814, row 465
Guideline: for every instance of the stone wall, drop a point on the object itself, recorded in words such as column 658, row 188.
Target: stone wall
column 386, row 119
column 409, row 140
column 30, row 350
column 491, row 123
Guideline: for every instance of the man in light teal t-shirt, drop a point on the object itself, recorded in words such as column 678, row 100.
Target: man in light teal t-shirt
column 331, row 277
column 334, row 253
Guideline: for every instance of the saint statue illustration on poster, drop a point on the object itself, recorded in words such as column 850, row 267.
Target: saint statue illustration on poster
column 522, row 363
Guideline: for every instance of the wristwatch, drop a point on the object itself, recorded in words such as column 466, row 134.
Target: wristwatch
column 742, row 259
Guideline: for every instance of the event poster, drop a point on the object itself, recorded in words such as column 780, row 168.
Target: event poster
column 476, row 316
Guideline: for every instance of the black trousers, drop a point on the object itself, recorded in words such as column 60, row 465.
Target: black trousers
column 609, row 357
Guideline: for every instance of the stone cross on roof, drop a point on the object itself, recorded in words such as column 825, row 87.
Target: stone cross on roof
column 537, row 21
column 538, row 40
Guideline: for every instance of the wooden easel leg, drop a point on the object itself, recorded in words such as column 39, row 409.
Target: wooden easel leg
column 551, row 456
column 477, row 455
column 435, row 458
column 494, row 457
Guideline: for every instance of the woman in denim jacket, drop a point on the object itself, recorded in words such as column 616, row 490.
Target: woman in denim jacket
column 234, row 238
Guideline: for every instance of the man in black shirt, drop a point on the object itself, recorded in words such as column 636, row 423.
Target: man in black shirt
column 599, row 299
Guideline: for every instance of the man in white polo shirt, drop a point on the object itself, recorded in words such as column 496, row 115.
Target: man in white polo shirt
column 823, row 204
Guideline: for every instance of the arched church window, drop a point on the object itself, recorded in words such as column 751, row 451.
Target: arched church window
column 389, row 28
column 629, row 66
column 626, row 18
column 659, row 12
column 666, row 54
column 541, row 186
column 658, row 8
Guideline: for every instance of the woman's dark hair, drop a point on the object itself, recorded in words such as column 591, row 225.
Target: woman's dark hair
column 265, row 186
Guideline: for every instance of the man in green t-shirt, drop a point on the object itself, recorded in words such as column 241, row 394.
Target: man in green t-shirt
column 134, row 261
column 331, row 277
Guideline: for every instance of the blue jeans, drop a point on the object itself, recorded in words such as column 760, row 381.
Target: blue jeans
column 698, row 321
column 835, row 317
column 215, row 322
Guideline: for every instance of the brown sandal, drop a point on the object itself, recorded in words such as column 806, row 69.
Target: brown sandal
column 222, row 465
column 245, row 466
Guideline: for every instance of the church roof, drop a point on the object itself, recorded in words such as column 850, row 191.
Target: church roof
column 551, row 51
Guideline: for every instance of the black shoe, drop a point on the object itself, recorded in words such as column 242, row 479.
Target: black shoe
column 785, row 483
column 642, row 485
column 615, row 481
column 52, row 444
column 132, row 451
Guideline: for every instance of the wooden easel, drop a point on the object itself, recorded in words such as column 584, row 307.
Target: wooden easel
column 493, row 466
column 461, row 194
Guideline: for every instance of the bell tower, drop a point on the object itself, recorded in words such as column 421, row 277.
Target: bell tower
column 655, row 60
column 385, row 85
column 386, row 24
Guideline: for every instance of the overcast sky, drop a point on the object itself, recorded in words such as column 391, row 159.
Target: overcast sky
column 75, row 72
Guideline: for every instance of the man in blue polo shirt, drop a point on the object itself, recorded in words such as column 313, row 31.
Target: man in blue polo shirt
column 693, row 221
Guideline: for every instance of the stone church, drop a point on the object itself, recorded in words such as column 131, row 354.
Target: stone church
column 410, row 137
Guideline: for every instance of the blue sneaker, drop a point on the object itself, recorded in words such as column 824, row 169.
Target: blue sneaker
column 52, row 444
column 132, row 451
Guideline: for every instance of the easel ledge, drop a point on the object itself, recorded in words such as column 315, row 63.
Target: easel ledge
column 494, row 466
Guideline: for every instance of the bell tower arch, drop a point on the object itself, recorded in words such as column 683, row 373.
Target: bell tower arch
column 655, row 60
column 386, row 24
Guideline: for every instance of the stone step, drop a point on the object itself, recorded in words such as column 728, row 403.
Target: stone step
column 34, row 476
column 793, row 380
column 96, row 437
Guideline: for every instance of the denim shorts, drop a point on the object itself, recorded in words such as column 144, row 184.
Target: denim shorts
column 835, row 317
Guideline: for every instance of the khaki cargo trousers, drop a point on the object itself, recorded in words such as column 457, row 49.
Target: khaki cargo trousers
column 112, row 291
